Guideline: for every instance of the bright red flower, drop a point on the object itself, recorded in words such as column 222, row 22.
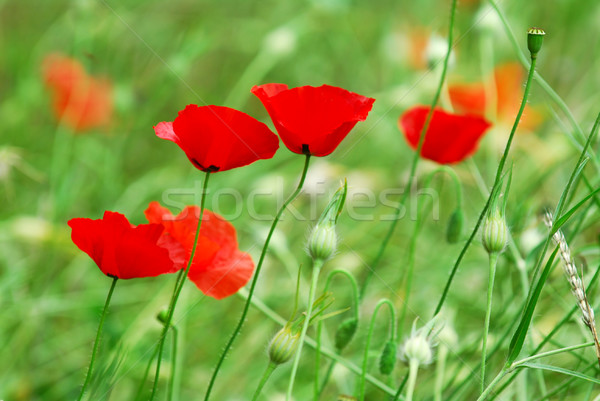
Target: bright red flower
column 81, row 101
column 125, row 251
column 217, row 138
column 219, row 268
column 313, row 119
column 450, row 137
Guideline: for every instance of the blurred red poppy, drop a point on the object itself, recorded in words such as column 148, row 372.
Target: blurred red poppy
column 219, row 268
column 450, row 138
column 313, row 120
column 508, row 83
column 125, row 251
column 217, row 138
column 79, row 100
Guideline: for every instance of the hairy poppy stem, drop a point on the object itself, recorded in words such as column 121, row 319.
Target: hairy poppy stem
column 178, row 288
column 415, row 160
column 488, row 312
column 263, row 253
column 317, row 265
column 268, row 371
column 97, row 341
column 496, row 183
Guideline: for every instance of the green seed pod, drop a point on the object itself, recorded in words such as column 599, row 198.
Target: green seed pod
column 345, row 332
column 283, row 345
column 387, row 360
column 535, row 39
column 455, row 226
column 495, row 233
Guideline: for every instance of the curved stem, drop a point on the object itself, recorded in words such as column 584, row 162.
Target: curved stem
column 385, row 301
column 415, row 160
column 178, row 287
column 488, row 314
column 499, row 172
column 317, row 390
column 88, row 377
column 493, row 384
column 268, row 371
column 263, row 253
column 311, row 297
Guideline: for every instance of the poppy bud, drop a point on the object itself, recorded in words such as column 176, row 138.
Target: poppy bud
column 345, row 332
column 387, row 360
column 162, row 316
column 495, row 233
column 322, row 241
column 535, row 39
column 283, row 345
column 455, row 226
column 417, row 347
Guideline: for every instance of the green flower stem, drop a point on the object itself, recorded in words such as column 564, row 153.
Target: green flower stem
column 488, row 313
column 317, row 265
column 268, row 371
column 440, row 369
column 271, row 314
column 413, row 370
column 173, row 363
column 361, row 383
column 88, row 377
column 355, row 302
column 493, row 384
column 499, row 172
column 145, row 376
column 178, row 287
column 263, row 253
column 415, row 160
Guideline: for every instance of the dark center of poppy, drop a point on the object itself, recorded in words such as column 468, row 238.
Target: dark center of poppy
column 209, row 169
column 305, row 150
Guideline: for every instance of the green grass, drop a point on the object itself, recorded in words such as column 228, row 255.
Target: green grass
column 161, row 56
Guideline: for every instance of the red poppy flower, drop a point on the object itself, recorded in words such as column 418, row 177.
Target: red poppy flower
column 125, row 251
column 217, row 138
column 313, row 119
column 80, row 101
column 219, row 268
column 450, row 137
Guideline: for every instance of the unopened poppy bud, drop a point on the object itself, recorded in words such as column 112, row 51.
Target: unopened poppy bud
column 495, row 233
column 417, row 347
column 283, row 345
column 162, row 316
column 388, row 358
column 345, row 332
column 322, row 242
column 455, row 226
column 535, row 39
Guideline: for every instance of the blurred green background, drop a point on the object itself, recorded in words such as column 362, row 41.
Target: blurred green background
column 161, row 56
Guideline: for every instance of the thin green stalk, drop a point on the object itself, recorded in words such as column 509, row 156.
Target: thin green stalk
column 413, row 370
column 499, row 172
column 493, row 384
column 318, row 389
column 361, row 383
column 88, row 377
column 488, row 313
column 265, row 377
column 173, row 363
column 316, row 269
column 177, row 292
column 550, row 353
column 263, row 253
column 415, row 159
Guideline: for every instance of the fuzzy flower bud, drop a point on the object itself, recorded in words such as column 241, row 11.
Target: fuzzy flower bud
column 495, row 233
column 162, row 316
column 535, row 39
column 322, row 241
column 283, row 346
column 417, row 347
column 345, row 332
column 388, row 358
column 455, row 226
